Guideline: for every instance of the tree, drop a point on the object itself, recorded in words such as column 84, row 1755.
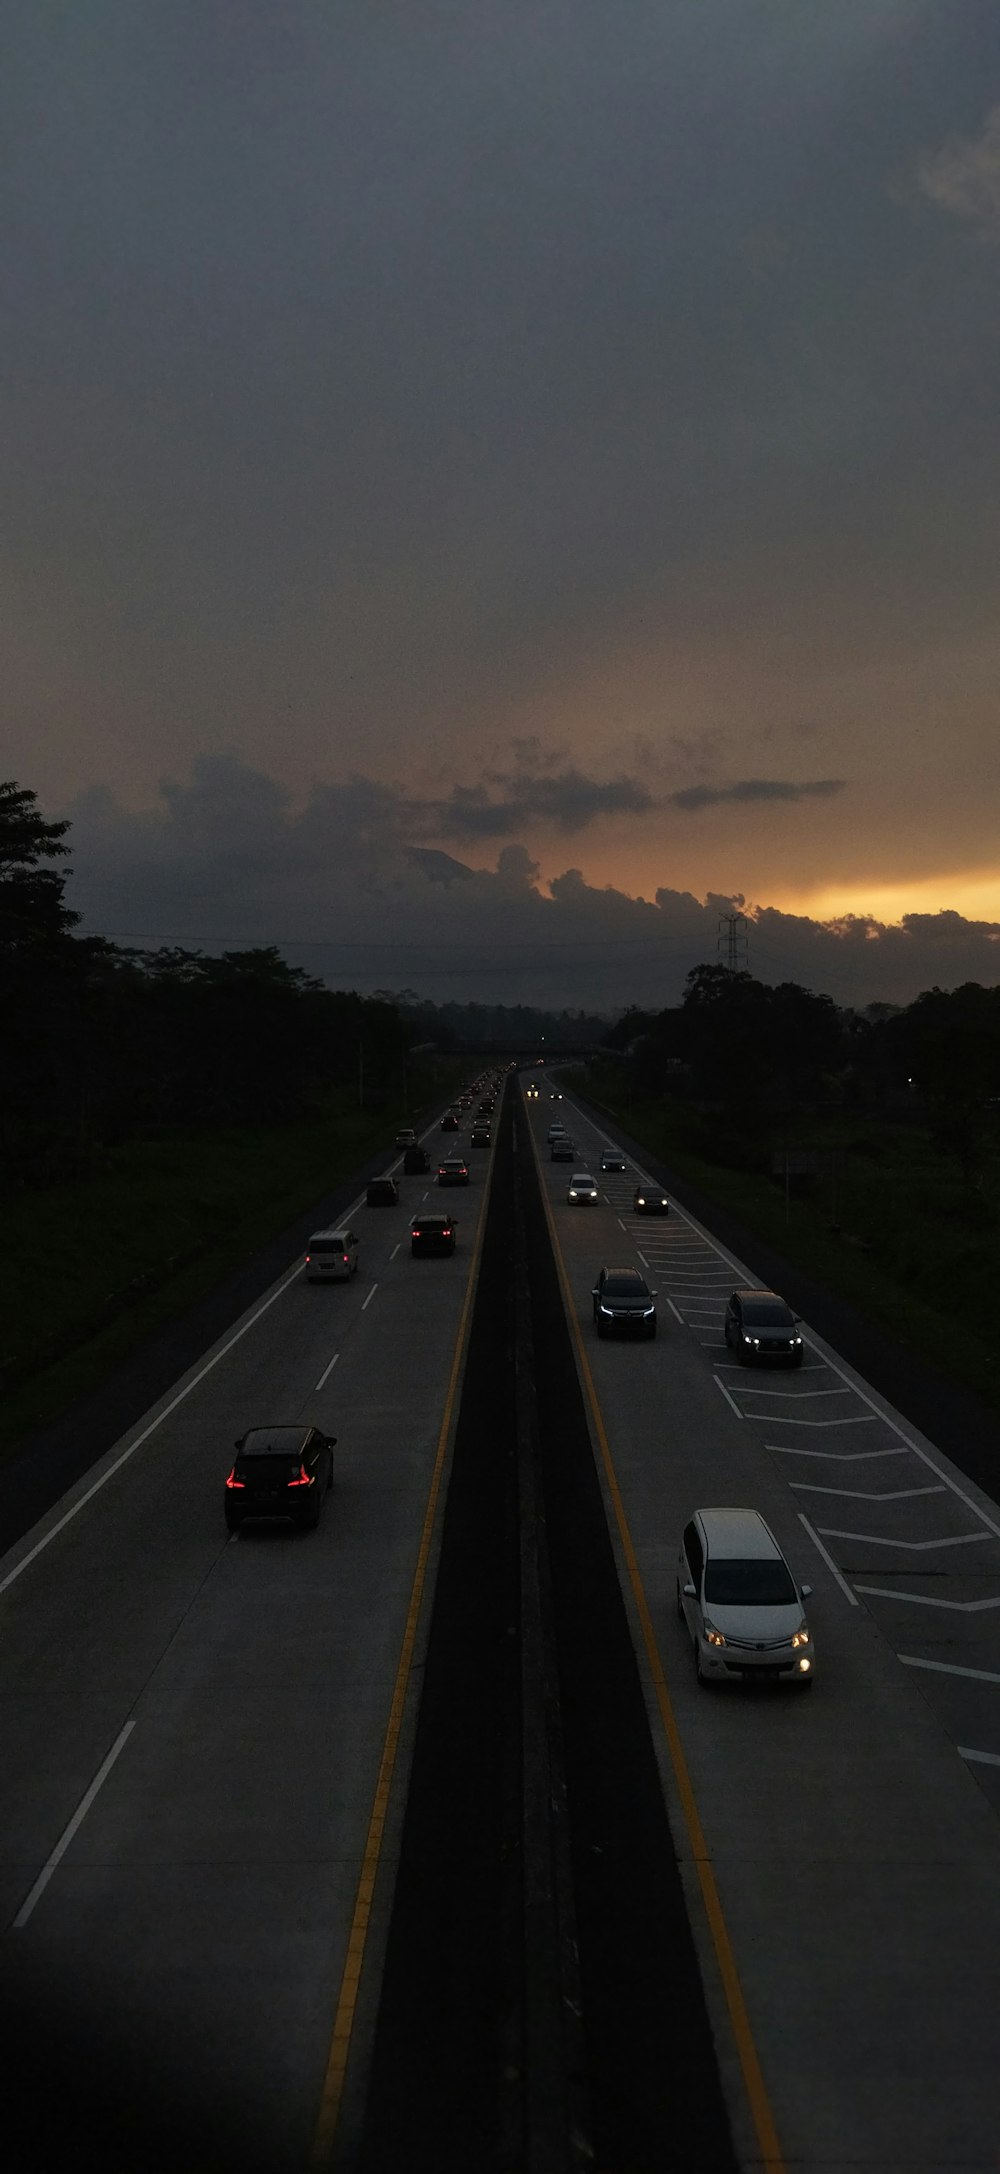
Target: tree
column 31, row 897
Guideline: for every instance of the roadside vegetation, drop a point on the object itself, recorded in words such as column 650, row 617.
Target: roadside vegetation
column 865, row 1146
column 162, row 1114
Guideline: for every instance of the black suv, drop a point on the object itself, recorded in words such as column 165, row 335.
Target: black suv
column 381, row 1193
column 623, row 1303
column 280, row 1472
column 432, row 1234
column 759, row 1325
column 415, row 1161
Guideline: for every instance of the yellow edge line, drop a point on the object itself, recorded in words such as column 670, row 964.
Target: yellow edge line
column 343, row 2022
column 760, row 2106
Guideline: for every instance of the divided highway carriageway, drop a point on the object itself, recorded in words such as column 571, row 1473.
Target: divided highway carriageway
column 410, row 1845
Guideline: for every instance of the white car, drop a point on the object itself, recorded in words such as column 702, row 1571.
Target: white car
column 613, row 1159
column 740, row 1601
column 555, row 1132
column 582, row 1186
column 332, row 1256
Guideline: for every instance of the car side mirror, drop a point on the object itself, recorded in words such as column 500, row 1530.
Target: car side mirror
column 596, row 1292
column 240, row 1439
column 805, row 1591
column 796, row 1317
column 331, row 1441
column 689, row 1592
column 654, row 1294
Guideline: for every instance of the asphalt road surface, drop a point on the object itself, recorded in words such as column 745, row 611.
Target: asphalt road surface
column 217, row 1757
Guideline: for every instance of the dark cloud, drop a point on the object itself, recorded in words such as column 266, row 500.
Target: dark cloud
column 515, row 801
column 225, row 859
column 712, row 796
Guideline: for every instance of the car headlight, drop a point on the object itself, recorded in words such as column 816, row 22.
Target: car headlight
column 640, row 1200
column 801, row 1636
column 714, row 1637
column 796, row 1339
column 646, row 1311
column 572, row 1192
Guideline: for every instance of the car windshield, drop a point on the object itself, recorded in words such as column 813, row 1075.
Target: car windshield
column 748, row 1582
column 767, row 1313
column 626, row 1284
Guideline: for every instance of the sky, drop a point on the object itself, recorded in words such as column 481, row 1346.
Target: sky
column 490, row 491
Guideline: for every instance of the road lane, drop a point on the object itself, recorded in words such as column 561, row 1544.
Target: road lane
column 191, row 1936
column 857, row 1859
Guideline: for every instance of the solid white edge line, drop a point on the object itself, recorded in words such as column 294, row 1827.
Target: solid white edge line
column 733, row 1406
column 677, row 1316
column 829, row 1561
column 66, row 1837
column 67, row 1518
column 371, row 1293
column 327, row 1371
column 978, row 1758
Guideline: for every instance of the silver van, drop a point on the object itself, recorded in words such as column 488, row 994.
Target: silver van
column 740, row 1602
column 332, row 1256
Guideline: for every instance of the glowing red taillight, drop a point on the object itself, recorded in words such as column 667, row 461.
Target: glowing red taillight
column 347, row 1260
column 232, row 1481
column 305, row 1479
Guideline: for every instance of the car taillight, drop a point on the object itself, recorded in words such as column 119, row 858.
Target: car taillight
column 446, row 1234
column 347, row 1258
column 305, row 1479
column 232, row 1481
column 308, row 1259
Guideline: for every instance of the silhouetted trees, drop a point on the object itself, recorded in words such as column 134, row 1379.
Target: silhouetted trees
column 100, row 1042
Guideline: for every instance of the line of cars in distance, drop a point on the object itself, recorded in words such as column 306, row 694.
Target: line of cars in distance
column 734, row 1590
column 284, row 1471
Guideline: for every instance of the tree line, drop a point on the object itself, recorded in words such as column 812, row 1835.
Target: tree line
column 101, row 1042
column 754, row 1054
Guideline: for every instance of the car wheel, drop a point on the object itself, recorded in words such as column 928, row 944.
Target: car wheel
column 679, row 1603
column 807, row 1683
column 601, row 1330
column 233, row 1520
column 700, row 1675
column 314, row 1512
column 650, row 1333
column 797, row 1361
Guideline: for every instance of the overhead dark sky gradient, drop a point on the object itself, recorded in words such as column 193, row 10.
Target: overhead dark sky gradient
column 555, row 431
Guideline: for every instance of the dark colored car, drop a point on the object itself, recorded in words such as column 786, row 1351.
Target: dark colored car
column 449, row 1122
column 280, row 1471
column 415, row 1161
column 623, row 1303
column 432, row 1234
column 486, row 1108
column 563, row 1149
column 480, row 1136
column 650, row 1200
column 453, row 1171
column 382, row 1193
column 759, row 1325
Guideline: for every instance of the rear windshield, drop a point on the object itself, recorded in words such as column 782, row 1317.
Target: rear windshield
column 283, row 1442
column 767, row 1313
column 329, row 1242
column 735, row 1582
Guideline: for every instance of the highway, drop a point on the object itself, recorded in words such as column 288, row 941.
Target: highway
column 192, row 1725
column 206, row 1741
column 849, row 1923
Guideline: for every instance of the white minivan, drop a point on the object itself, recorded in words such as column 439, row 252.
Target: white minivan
column 331, row 1256
column 740, row 1601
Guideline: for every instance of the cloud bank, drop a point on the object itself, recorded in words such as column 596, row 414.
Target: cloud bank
column 343, row 886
